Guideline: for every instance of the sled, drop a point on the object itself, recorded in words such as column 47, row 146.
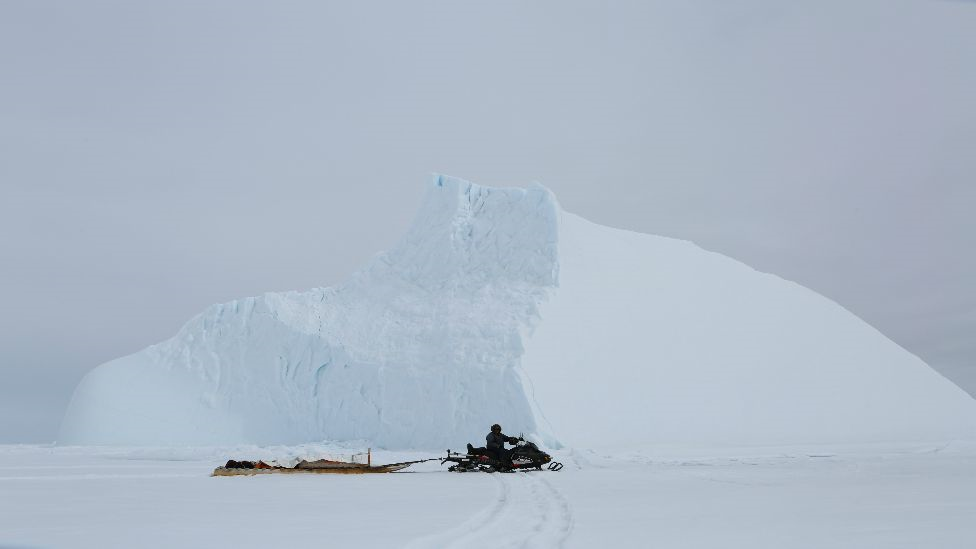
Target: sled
column 319, row 466
column 334, row 468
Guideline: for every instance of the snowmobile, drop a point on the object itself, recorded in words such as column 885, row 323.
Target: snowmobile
column 526, row 455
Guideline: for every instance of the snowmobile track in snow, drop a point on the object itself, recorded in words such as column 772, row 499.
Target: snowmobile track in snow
column 556, row 522
column 527, row 512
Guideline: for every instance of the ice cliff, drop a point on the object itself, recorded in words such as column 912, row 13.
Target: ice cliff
column 496, row 306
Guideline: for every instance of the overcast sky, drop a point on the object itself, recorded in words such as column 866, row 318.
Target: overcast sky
column 158, row 158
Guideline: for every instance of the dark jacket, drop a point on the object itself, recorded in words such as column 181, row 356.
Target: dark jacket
column 496, row 441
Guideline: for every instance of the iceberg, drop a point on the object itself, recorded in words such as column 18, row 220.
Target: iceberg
column 498, row 307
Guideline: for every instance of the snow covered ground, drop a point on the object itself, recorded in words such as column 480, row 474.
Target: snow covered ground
column 876, row 496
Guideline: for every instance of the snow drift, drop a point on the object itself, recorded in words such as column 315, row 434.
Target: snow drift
column 498, row 307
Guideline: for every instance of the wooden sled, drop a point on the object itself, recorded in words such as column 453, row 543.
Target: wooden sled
column 345, row 469
column 316, row 467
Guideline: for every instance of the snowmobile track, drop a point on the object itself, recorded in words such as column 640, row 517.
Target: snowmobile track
column 557, row 519
column 483, row 521
column 527, row 512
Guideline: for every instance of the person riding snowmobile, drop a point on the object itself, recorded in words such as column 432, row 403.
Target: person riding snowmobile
column 525, row 455
column 496, row 443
